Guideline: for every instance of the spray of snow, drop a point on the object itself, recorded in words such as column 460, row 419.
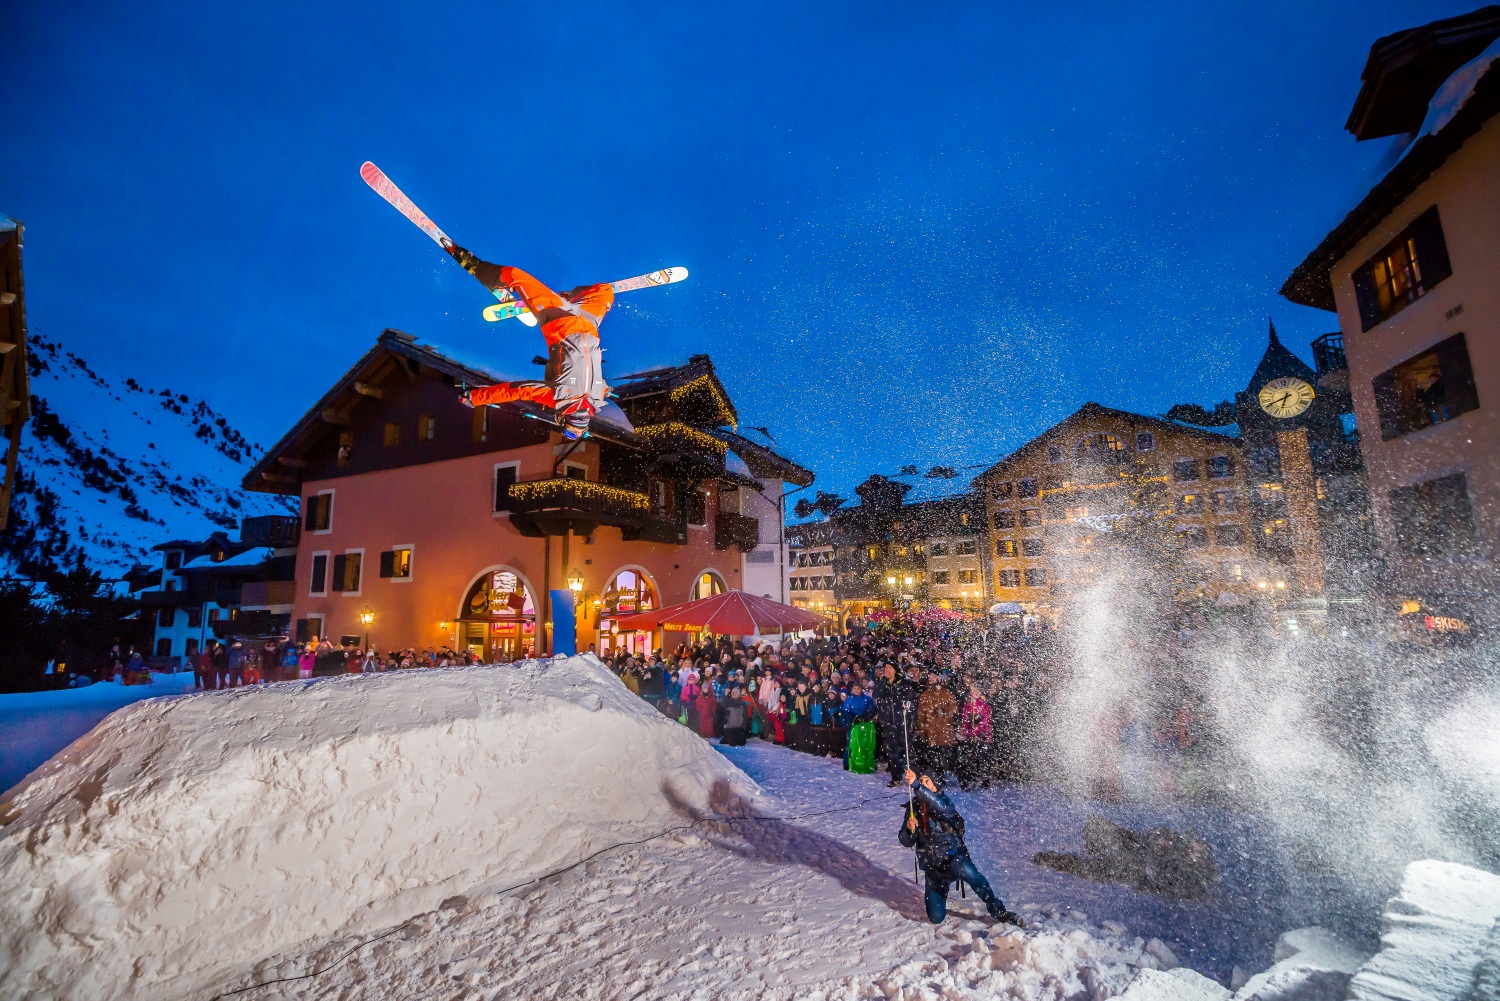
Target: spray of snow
column 286, row 816
column 1361, row 764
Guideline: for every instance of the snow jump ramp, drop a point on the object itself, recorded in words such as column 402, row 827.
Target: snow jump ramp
column 185, row 842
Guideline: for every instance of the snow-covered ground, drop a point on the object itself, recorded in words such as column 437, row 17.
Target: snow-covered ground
column 536, row 831
column 36, row 725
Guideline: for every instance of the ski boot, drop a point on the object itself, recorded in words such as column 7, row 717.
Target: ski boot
column 1007, row 917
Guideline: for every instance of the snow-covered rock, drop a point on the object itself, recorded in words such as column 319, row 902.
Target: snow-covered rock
column 1312, row 964
column 1435, row 936
column 184, row 840
column 1181, row 984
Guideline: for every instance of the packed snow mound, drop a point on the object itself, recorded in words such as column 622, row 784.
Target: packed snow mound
column 1436, row 937
column 183, row 841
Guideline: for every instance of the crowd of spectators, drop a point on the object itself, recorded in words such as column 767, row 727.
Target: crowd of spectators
column 947, row 693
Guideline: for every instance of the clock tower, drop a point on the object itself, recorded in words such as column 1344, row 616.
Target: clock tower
column 1309, row 504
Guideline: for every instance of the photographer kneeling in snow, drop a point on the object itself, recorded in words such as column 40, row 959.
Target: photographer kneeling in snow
column 933, row 826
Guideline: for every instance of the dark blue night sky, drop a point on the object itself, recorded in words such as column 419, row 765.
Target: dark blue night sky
column 917, row 232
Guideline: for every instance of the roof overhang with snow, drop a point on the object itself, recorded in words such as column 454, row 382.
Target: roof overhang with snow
column 1311, row 283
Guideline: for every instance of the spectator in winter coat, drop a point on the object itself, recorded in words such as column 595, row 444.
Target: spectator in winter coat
column 896, row 715
column 734, row 716
column 857, row 707
column 779, row 716
column 937, row 712
column 935, row 829
column 975, row 735
column 707, row 708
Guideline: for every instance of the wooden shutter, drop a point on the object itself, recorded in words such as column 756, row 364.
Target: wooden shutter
column 1458, row 376
column 388, row 563
column 319, row 574
column 340, row 568
column 1367, row 296
column 504, row 477
column 1432, row 249
column 310, row 511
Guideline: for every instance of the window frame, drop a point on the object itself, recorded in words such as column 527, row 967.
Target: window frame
column 312, row 564
column 328, row 527
column 1455, row 368
column 1035, row 576
column 1031, row 524
column 1428, row 267
column 358, row 590
column 410, row 549
column 1178, row 464
column 1145, row 441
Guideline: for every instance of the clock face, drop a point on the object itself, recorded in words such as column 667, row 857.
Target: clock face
column 1285, row 397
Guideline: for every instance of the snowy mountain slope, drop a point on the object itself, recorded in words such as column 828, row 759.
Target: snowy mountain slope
column 110, row 468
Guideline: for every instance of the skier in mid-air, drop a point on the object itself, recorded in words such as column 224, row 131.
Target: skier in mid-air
column 574, row 384
column 934, row 827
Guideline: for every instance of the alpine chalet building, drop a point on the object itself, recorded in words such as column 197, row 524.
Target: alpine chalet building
column 1413, row 272
column 425, row 523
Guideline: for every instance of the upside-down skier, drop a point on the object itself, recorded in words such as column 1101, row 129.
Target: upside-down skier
column 574, row 384
column 934, row 827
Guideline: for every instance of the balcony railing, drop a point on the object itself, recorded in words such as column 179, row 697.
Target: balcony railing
column 737, row 530
column 558, row 505
column 266, row 593
column 1328, row 353
column 275, row 530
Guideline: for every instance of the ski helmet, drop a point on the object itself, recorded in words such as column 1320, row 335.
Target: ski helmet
column 576, row 424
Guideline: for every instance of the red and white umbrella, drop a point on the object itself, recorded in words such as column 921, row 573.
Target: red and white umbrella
column 732, row 613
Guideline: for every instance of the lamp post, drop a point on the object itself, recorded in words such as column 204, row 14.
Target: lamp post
column 366, row 617
column 575, row 581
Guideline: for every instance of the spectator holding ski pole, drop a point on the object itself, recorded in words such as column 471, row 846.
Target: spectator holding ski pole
column 934, row 827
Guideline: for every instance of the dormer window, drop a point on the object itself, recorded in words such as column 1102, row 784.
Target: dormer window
column 174, row 559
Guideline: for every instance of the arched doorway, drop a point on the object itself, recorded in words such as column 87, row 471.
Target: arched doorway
column 629, row 591
column 706, row 585
column 497, row 620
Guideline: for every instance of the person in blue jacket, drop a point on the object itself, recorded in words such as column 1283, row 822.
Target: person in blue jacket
column 932, row 825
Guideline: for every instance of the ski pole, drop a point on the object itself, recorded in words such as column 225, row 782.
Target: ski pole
column 911, row 809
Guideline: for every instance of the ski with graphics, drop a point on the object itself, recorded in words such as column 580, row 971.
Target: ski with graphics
column 508, row 306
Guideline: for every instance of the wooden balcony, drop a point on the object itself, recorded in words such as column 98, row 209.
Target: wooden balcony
column 552, row 507
column 738, row 530
column 267, row 593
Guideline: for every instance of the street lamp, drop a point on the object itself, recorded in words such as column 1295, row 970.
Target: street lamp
column 575, row 581
column 366, row 617
column 891, row 580
column 908, row 580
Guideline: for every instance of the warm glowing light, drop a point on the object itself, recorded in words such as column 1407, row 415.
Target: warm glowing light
column 575, row 581
column 891, row 580
column 908, row 582
column 1280, row 584
column 367, row 617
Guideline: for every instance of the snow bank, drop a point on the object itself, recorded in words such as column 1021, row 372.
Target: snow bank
column 185, row 840
column 1437, row 936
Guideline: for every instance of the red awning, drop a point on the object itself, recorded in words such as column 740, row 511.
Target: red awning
column 732, row 613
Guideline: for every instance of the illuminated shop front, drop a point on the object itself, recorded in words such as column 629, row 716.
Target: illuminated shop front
column 498, row 620
column 629, row 592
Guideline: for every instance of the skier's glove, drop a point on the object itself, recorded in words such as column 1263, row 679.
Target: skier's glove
column 469, row 262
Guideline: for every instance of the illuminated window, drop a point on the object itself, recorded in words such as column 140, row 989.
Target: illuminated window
column 1403, row 271
column 1005, row 549
column 1435, row 386
column 392, row 435
column 1002, row 490
column 1190, row 503
column 940, row 576
column 427, row 427
column 968, row 576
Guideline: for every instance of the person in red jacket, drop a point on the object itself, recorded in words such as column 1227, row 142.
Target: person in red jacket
column 574, row 385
